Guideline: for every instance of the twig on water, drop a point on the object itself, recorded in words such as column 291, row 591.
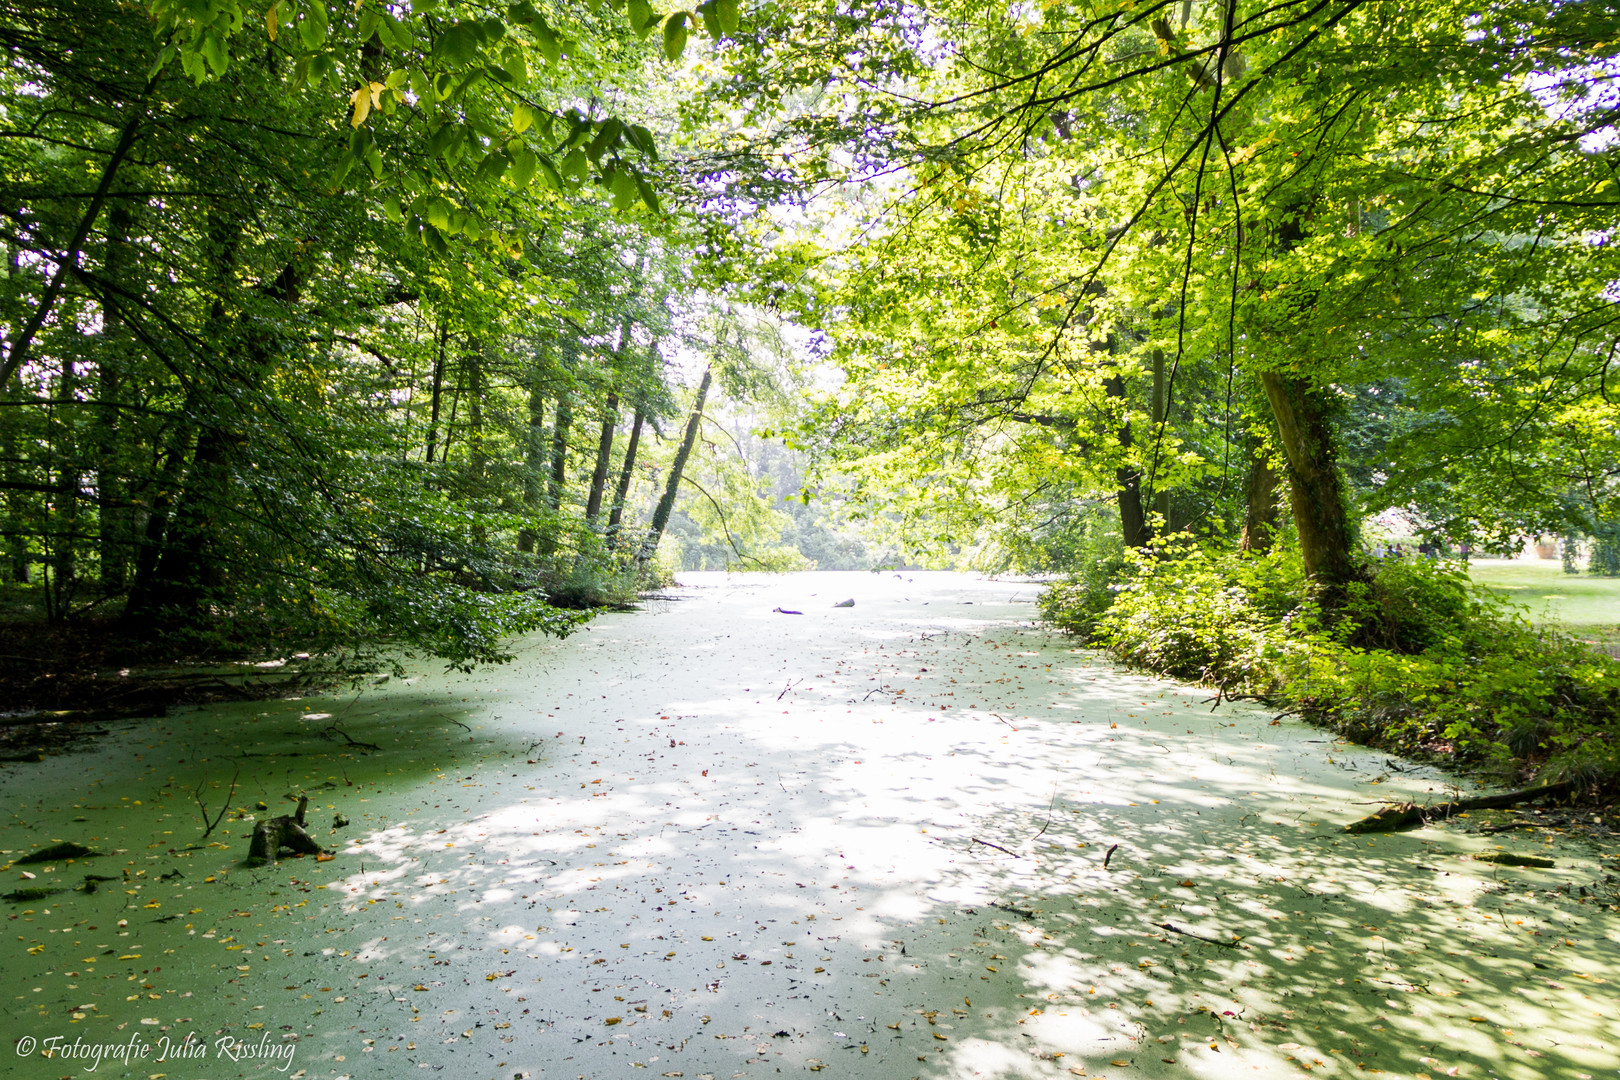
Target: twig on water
column 209, row 825
column 1049, row 807
column 1174, row 929
column 998, row 847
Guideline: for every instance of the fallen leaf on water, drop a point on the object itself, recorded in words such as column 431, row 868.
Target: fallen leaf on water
column 610, row 1021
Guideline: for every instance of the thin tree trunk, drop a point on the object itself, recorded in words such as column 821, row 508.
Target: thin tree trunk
column 564, row 420
column 66, row 508
column 115, row 533
column 534, row 460
column 437, row 389
column 1132, row 520
column 1327, row 538
column 666, row 505
column 70, row 256
column 626, row 474
column 604, row 458
column 1260, row 501
column 477, row 459
column 1161, row 493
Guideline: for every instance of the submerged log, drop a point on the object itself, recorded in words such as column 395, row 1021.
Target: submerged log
column 284, row 833
column 1405, row 815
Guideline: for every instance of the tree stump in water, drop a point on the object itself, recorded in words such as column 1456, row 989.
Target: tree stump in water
column 286, row 832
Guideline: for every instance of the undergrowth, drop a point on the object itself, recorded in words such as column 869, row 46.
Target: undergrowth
column 1419, row 661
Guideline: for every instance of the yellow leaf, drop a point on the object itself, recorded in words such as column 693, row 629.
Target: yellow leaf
column 361, row 99
column 270, row 20
column 610, row 1021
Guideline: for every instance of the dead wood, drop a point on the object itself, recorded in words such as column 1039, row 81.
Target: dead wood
column 1396, row 816
column 284, row 833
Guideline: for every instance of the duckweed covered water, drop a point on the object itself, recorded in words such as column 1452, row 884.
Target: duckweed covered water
column 913, row 837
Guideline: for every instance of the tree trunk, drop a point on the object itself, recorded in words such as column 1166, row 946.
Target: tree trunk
column 1132, row 520
column 143, row 598
column 604, row 458
column 1327, row 538
column 19, row 346
column 437, row 390
column 1260, row 501
column 626, row 474
column 564, row 420
column 534, row 460
column 115, row 526
column 1161, row 493
column 65, row 528
column 655, row 531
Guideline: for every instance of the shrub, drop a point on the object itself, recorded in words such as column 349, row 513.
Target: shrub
column 1419, row 661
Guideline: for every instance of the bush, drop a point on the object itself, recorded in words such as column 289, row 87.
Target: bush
column 1419, row 661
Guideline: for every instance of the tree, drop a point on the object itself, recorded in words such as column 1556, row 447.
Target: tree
column 1310, row 196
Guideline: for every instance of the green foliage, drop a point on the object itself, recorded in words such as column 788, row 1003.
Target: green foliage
column 1605, row 559
column 1457, row 671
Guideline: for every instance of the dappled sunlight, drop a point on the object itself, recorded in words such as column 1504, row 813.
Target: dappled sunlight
column 769, row 857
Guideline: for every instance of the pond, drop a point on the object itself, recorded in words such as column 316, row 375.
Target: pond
column 916, row 836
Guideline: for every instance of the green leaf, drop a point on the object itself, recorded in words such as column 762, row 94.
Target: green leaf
column 213, row 51
column 438, row 212
column 512, row 60
column 675, row 35
column 546, row 40
column 397, row 34
column 623, row 187
column 648, row 196
column 440, row 141
column 605, row 138
column 642, row 140
column 392, row 209
column 576, row 166
column 524, row 163
column 312, row 27
column 549, row 172
column 522, row 117
column 493, row 167
column 711, row 19
column 727, row 11
column 642, row 19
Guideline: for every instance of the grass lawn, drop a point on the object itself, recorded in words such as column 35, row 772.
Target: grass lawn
column 1588, row 606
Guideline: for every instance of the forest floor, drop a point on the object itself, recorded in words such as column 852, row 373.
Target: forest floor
column 916, row 837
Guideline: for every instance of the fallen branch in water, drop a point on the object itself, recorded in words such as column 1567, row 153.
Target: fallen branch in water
column 1174, row 929
column 998, row 847
column 1403, row 815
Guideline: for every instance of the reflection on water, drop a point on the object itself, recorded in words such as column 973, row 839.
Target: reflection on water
column 714, row 840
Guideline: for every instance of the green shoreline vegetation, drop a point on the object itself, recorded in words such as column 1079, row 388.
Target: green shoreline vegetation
column 1421, row 660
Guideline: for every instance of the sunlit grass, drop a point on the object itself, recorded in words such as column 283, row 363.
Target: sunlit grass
column 1587, row 606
